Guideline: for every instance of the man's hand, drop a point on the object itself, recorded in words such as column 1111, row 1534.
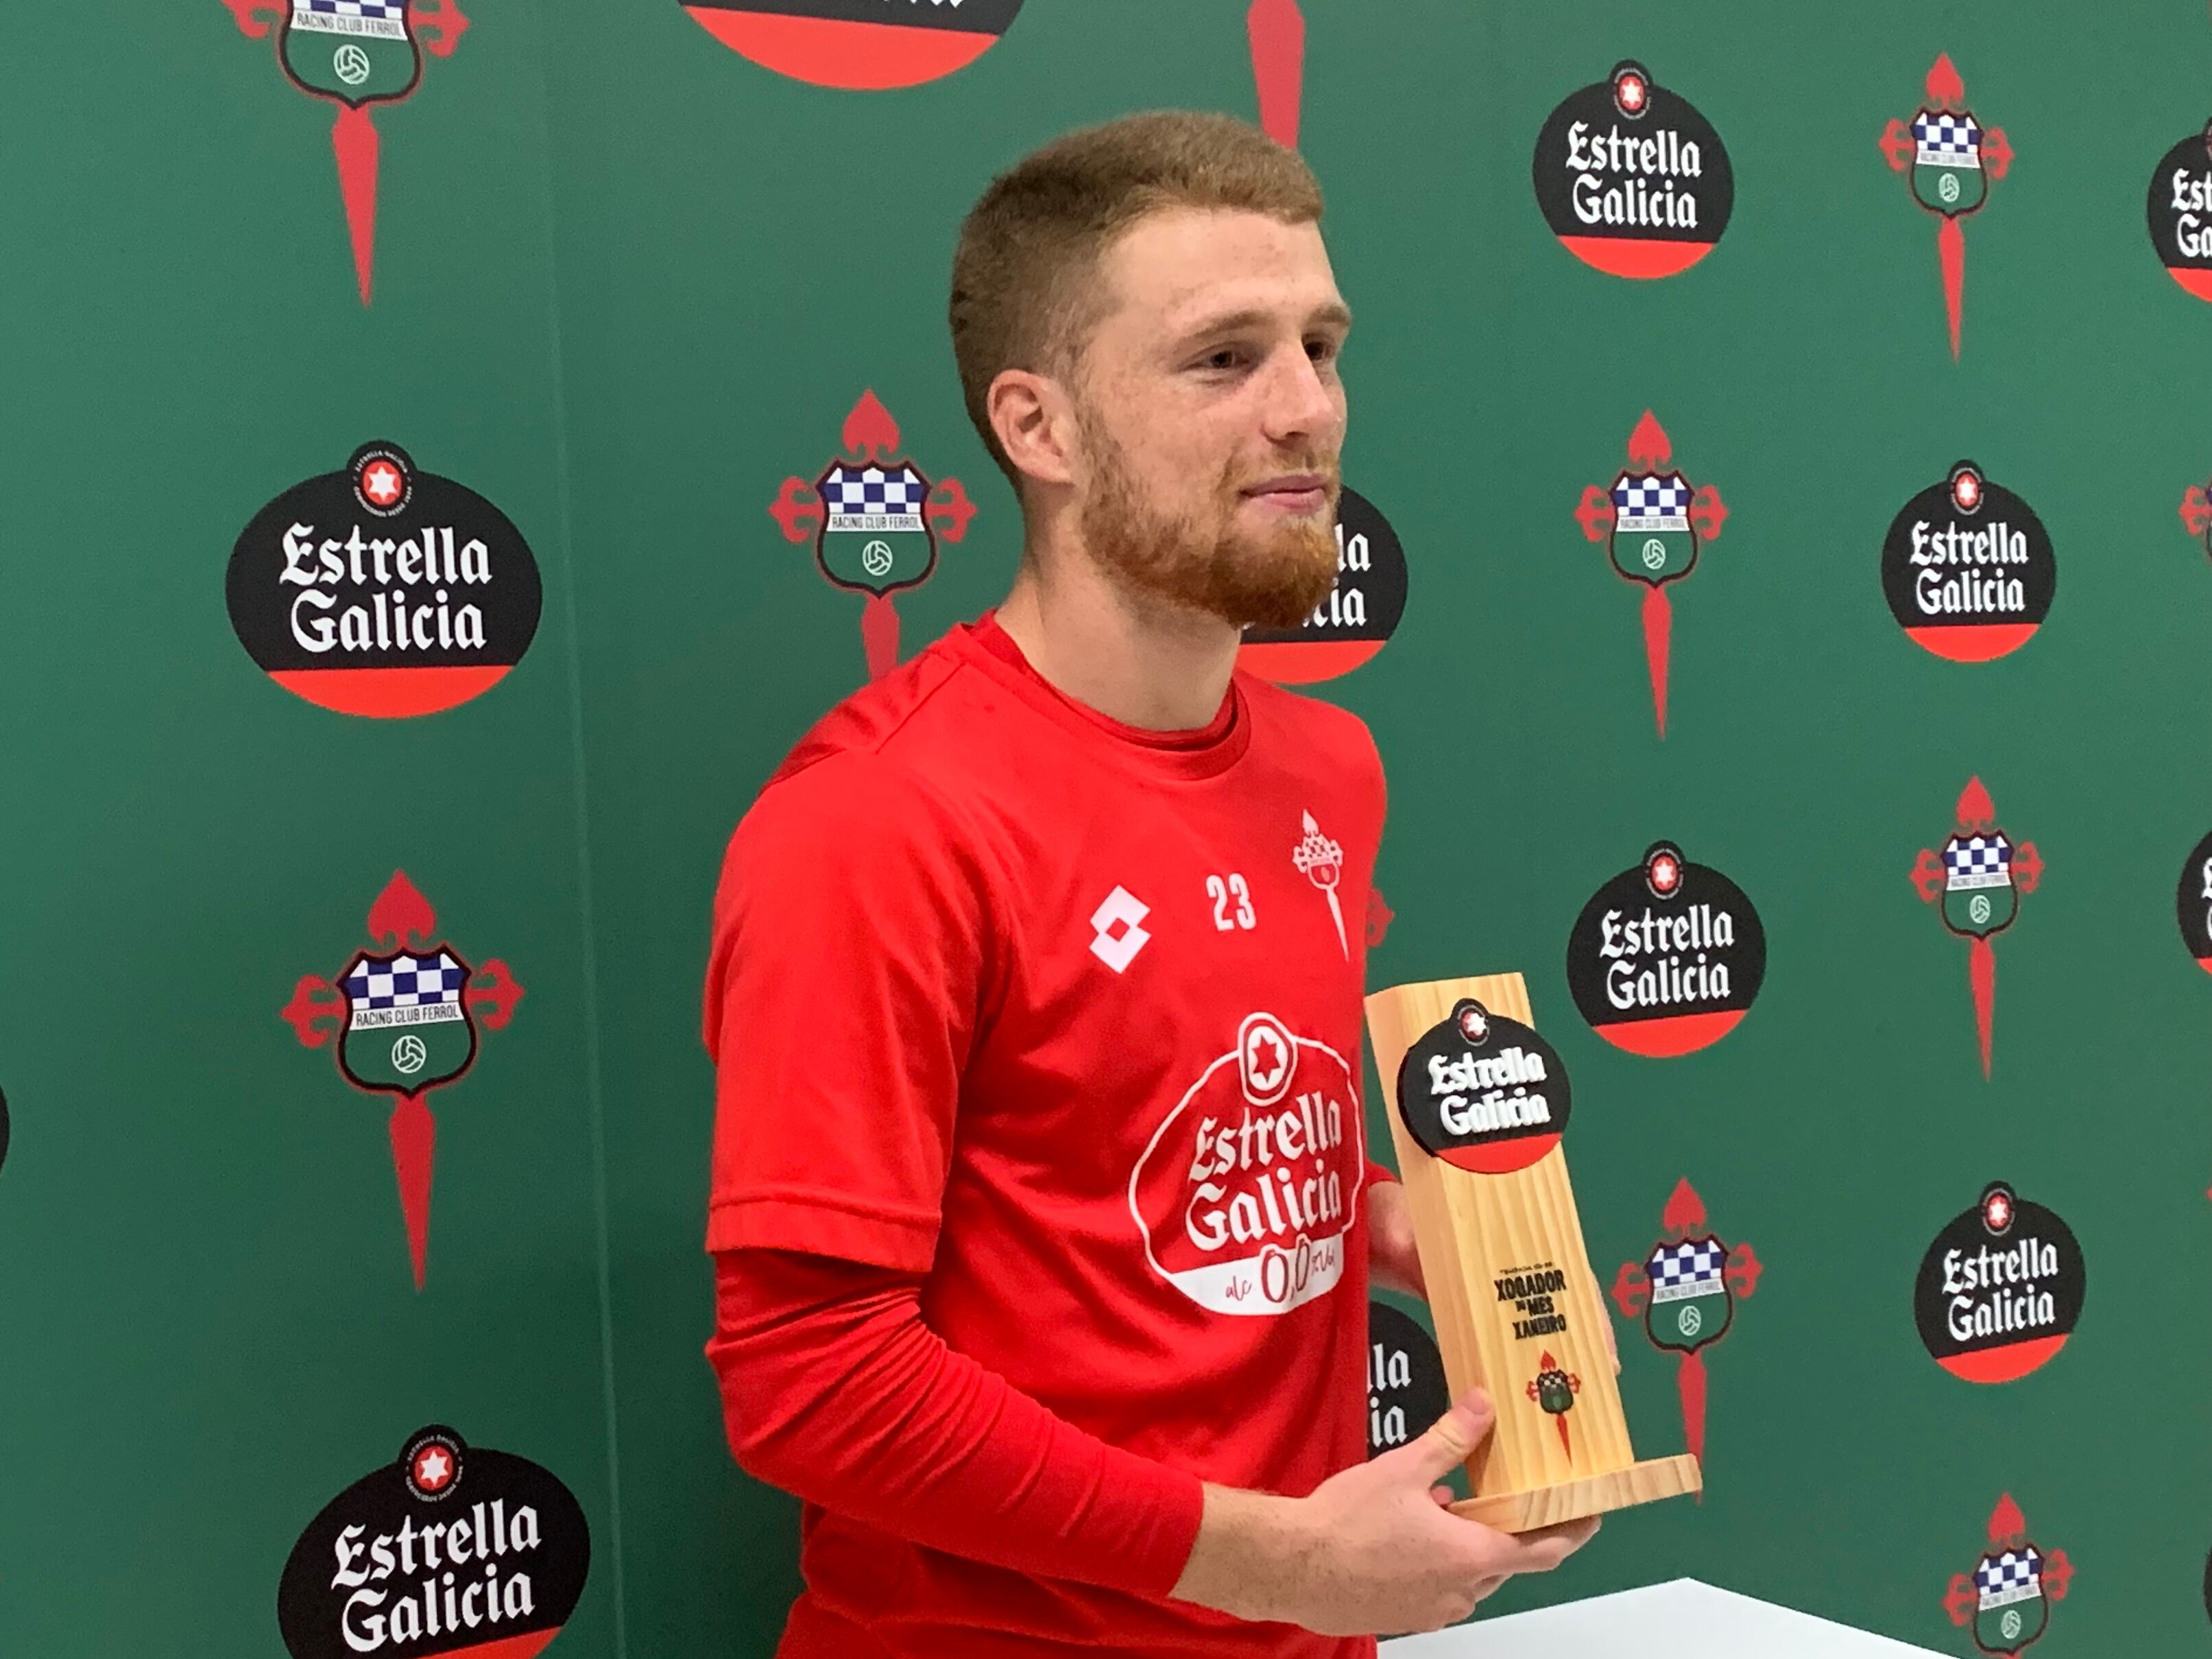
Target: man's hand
column 1374, row 1550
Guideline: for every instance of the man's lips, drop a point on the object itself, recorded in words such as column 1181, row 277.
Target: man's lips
column 1293, row 492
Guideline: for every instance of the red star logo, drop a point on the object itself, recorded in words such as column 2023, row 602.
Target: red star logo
column 1666, row 874
column 1998, row 1212
column 1632, row 92
column 1966, row 491
column 381, row 484
column 1266, row 1072
column 432, row 1469
column 1473, row 1026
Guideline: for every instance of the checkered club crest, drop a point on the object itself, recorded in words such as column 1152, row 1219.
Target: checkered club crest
column 406, row 1018
column 356, row 54
column 1686, row 1290
column 2005, row 1601
column 1976, row 882
column 1949, row 159
column 1652, row 519
column 874, row 519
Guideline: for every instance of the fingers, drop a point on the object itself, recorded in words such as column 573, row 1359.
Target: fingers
column 1444, row 1497
column 1542, row 1550
column 1452, row 1438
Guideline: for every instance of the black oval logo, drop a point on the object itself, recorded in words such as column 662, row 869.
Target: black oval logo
column 383, row 590
column 1968, row 569
column 2192, row 902
column 1406, row 1389
column 1483, row 1093
column 2179, row 212
column 1666, row 958
column 1360, row 614
column 2000, row 1290
column 451, row 1549
column 1631, row 178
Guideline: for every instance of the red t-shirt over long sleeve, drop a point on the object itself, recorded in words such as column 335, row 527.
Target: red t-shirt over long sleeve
column 1045, row 1032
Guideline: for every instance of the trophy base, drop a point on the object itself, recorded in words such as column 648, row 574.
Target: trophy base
column 1570, row 1500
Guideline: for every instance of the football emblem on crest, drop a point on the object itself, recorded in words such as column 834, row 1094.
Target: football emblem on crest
column 356, row 54
column 1977, row 881
column 1686, row 1290
column 404, row 1013
column 874, row 521
column 1949, row 158
column 863, row 46
column 2005, row 1602
column 1651, row 520
column 1631, row 178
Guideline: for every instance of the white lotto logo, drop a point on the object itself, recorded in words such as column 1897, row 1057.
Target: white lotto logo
column 1116, row 937
column 1245, row 1191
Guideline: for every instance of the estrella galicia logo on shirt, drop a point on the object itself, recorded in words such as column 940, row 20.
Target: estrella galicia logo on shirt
column 1406, row 1389
column 1949, row 158
column 1667, row 958
column 862, row 46
column 1631, row 178
column 452, row 1550
column 2000, row 1290
column 1357, row 618
column 1483, row 1092
column 1245, row 1192
column 405, row 1018
column 2180, row 212
column 356, row 54
column 2004, row 1604
column 2193, row 903
column 1968, row 569
column 383, row 590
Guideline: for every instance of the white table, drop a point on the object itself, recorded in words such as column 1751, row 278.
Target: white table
column 1682, row 1619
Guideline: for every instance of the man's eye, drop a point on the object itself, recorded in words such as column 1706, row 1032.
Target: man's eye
column 1322, row 351
column 1224, row 357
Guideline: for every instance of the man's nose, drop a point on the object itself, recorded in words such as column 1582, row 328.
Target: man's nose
column 1299, row 404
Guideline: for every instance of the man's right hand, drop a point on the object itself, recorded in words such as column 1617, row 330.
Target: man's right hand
column 1372, row 1551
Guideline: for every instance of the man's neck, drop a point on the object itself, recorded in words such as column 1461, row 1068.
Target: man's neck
column 1155, row 666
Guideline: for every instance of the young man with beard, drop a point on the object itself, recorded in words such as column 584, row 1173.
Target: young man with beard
column 1041, row 1215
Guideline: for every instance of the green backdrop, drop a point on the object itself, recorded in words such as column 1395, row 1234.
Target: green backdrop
column 626, row 282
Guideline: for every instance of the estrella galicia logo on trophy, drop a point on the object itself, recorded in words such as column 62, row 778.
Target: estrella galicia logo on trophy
column 1949, row 158
column 405, row 1012
column 862, row 46
column 1685, row 1292
column 1651, row 520
column 1357, row 618
column 2180, row 210
column 449, row 1552
column 1667, row 958
column 1631, row 178
column 1977, row 882
column 874, row 519
column 2000, row 1290
column 383, row 590
column 1406, row 1389
column 1483, row 1093
column 1244, row 1195
column 2004, row 1604
column 1968, row 569
column 356, row 54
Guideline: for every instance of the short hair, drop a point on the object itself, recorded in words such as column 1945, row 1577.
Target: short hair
column 1025, row 288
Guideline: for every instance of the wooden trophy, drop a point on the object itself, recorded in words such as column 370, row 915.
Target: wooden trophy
column 1478, row 1102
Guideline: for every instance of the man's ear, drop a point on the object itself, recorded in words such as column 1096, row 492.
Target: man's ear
column 1035, row 423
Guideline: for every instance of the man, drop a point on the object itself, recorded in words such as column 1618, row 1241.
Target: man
column 1041, row 1219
